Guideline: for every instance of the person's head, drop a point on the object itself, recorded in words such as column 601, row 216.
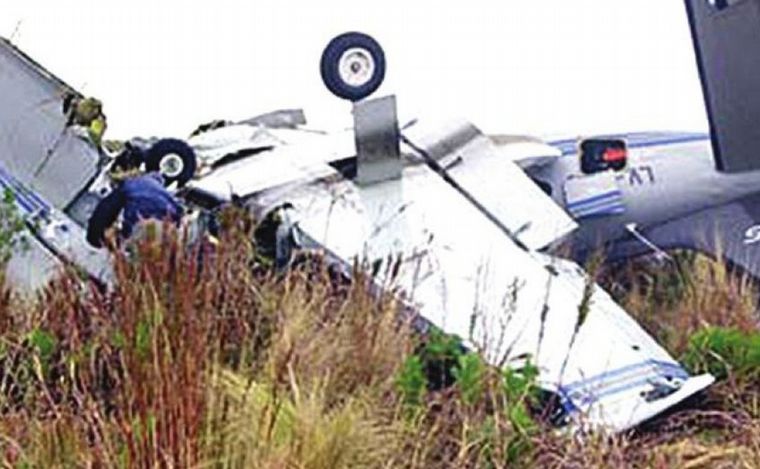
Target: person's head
column 127, row 164
column 89, row 109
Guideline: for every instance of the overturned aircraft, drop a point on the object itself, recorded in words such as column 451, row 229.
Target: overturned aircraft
column 470, row 227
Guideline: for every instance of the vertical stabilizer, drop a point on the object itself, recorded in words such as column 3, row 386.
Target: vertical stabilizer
column 726, row 35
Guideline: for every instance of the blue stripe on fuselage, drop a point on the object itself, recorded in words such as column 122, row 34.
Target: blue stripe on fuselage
column 634, row 140
column 614, row 195
column 27, row 200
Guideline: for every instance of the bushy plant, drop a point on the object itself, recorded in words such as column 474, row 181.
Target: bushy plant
column 723, row 352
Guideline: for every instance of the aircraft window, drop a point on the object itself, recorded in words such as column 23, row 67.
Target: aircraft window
column 723, row 4
column 599, row 155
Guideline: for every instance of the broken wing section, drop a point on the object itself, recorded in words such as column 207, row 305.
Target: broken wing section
column 489, row 173
column 462, row 274
column 286, row 158
column 51, row 238
column 35, row 146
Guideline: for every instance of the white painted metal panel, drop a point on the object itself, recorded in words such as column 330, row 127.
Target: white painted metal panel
column 465, row 276
column 489, row 173
column 32, row 125
column 304, row 157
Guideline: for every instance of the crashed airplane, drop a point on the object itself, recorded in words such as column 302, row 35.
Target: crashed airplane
column 468, row 223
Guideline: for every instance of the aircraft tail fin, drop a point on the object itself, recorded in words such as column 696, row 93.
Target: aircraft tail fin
column 726, row 35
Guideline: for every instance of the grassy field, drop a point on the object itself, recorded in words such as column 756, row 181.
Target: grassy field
column 209, row 361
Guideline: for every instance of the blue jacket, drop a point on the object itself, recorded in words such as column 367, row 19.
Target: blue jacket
column 140, row 198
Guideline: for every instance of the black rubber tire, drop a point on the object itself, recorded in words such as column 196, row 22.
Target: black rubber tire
column 179, row 147
column 331, row 59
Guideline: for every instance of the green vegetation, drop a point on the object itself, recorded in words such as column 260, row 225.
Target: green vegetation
column 724, row 352
column 11, row 225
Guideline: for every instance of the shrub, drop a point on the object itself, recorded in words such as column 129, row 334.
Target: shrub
column 723, row 352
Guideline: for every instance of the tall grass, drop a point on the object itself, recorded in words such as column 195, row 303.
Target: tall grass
column 199, row 357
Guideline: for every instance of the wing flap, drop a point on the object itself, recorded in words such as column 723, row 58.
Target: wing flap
column 490, row 174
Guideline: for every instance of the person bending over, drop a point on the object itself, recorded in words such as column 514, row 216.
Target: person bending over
column 138, row 197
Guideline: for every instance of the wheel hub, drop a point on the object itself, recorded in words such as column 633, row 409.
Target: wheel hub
column 171, row 165
column 356, row 66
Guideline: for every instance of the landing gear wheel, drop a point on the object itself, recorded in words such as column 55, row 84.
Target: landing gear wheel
column 353, row 66
column 174, row 159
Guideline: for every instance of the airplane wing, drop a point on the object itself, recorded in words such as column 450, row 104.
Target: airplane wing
column 35, row 145
column 46, row 167
column 464, row 275
column 297, row 155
